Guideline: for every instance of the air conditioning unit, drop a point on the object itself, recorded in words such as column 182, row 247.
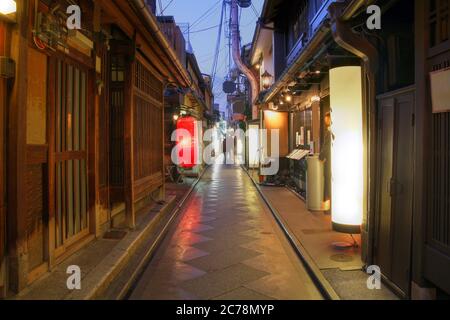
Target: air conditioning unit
column 7, row 67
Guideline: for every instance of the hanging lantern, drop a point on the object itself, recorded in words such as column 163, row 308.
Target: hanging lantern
column 266, row 79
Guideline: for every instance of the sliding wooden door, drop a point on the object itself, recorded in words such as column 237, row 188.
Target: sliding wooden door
column 70, row 155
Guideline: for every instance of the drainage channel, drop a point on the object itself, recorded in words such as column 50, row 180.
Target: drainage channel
column 130, row 286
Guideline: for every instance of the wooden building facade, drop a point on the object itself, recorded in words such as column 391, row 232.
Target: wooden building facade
column 85, row 128
column 405, row 229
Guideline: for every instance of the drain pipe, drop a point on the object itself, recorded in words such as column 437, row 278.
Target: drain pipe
column 345, row 37
column 235, row 40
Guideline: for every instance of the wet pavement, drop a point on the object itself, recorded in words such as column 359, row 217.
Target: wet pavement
column 225, row 245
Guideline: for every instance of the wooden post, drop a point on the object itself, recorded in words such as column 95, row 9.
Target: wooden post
column 129, row 146
column 92, row 114
column 51, row 107
column 17, row 209
column 316, row 125
column 2, row 165
column 422, row 127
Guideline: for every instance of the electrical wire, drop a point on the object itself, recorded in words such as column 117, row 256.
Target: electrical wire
column 160, row 6
column 206, row 14
column 255, row 11
column 205, row 29
column 219, row 38
column 162, row 12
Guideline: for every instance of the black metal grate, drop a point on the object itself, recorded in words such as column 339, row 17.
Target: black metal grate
column 439, row 178
column 439, row 198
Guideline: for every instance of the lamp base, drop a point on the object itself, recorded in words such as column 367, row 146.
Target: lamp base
column 342, row 245
column 346, row 228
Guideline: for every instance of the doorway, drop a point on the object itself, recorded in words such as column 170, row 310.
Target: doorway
column 395, row 186
column 70, row 155
column 119, row 69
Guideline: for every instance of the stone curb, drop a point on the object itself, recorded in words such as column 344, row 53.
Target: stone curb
column 101, row 276
column 317, row 276
column 161, row 234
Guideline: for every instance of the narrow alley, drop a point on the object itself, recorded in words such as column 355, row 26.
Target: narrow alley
column 231, row 150
column 226, row 245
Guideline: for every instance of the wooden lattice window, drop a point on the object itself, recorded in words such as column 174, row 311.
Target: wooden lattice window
column 439, row 23
column 148, row 144
column 147, row 122
column 147, row 83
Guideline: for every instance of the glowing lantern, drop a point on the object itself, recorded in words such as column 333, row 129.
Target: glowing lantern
column 288, row 97
column 8, row 7
column 266, row 80
column 253, row 146
column 347, row 148
column 188, row 145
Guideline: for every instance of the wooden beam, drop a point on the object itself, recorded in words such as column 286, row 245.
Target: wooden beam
column 129, row 148
column 110, row 8
column 3, row 93
column 92, row 134
column 51, row 116
column 17, row 154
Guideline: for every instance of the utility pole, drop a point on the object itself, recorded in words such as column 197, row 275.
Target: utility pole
column 236, row 48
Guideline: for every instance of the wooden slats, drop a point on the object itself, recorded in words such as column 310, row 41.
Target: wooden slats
column 70, row 153
column 439, row 22
column 148, row 130
column 148, row 83
column 146, row 185
column 440, row 182
column 147, row 138
column 116, row 157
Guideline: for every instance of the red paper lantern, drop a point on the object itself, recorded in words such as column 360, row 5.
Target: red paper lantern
column 187, row 145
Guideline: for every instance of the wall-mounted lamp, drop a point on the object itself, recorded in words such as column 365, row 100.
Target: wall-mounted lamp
column 288, row 97
column 175, row 117
column 315, row 98
column 8, row 9
column 266, row 80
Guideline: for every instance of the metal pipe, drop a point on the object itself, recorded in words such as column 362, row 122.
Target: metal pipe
column 235, row 40
column 347, row 39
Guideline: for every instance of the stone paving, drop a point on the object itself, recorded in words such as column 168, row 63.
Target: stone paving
column 225, row 245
